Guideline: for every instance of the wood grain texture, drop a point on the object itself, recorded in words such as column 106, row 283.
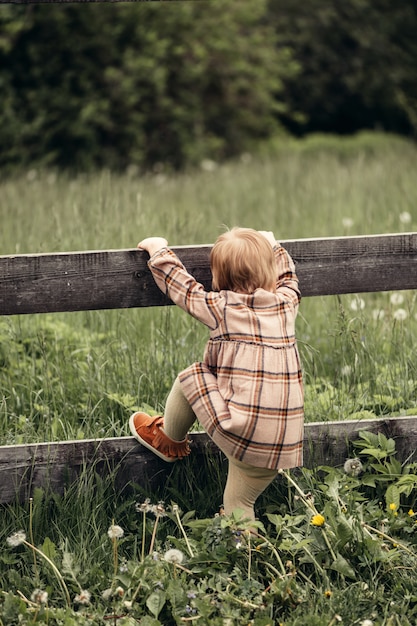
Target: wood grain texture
column 56, row 466
column 117, row 279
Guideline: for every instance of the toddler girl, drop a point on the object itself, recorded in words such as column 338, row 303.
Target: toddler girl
column 247, row 392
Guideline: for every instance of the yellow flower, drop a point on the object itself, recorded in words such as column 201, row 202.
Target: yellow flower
column 318, row 520
column 411, row 513
column 327, row 593
column 392, row 506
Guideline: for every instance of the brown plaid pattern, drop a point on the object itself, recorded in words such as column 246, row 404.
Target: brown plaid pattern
column 248, row 391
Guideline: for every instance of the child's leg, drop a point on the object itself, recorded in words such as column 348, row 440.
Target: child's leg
column 178, row 415
column 243, row 486
column 166, row 435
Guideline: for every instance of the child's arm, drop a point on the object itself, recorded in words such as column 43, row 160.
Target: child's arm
column 286, row 276
column 181, row 287
column 287, row 280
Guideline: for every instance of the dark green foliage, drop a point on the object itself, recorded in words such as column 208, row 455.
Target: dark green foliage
column 85, row 86
column 357, row 61
column 91, row 86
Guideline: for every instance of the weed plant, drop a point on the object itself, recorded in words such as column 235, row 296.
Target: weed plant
column 332, row 546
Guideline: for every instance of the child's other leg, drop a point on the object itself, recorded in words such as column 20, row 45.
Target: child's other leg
column 178, row 416
column 244, row 485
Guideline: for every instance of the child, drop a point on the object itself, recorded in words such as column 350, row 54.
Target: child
column 247, row 393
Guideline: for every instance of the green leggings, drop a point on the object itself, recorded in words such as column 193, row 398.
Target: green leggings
column 244, row 482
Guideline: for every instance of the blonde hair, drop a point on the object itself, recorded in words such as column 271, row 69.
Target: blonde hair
column 243, row 260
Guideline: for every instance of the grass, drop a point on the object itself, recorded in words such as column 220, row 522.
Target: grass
column 79, row 375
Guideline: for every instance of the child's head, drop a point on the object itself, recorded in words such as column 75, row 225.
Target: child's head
column 243, row 260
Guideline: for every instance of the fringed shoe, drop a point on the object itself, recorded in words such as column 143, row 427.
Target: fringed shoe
column 149, row 432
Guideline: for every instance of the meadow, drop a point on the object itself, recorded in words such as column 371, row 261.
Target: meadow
column 80, row 375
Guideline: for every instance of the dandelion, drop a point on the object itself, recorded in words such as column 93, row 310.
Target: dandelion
column 346, row 370
column 159, row 509
column 128, row 605
column 39, row 596
column 115, row 532
column 144, row 507
column 16, row 539
column 392, row 506
column 357, row 304
column 207, row 165
column 396, row 298
column 411, row 513
column 353, row 467
column 327, row 593
column 119, row 591
column 400, row 315
column 366, row 622
column 174, row 556
column 107, row 594
column 83, row 597
column 246, row 158
column 318, row 520
column 378, row 314
column 405, row 217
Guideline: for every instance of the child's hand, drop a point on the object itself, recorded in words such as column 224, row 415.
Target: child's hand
column 268, row 234
column 152, row 244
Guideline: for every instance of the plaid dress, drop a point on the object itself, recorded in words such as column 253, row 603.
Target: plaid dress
column 247, row 392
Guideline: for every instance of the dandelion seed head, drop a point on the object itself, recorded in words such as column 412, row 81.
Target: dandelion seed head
column 107, row 594
column 366, row 622
column 396, row 298
column 159, row 509
column 174, row 556
column 405, row 217
column 207, row 165
column 346, row 370
column 115, row 532
column 400, row 315
column 39, row 596
column 83, row 597
column 144, row 507
column 378, row 314
column 119, row 591
column 347, row 222
column 358, row 304
column 16, row 539
column 128, row 605
column 353, row 467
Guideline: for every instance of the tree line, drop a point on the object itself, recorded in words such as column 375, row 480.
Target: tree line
column 95, row 85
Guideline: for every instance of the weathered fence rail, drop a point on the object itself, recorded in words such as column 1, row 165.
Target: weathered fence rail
column 77, row 281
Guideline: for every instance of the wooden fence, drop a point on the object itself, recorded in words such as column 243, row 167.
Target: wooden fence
column 78, row 281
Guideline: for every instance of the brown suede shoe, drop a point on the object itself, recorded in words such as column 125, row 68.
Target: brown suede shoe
column 149, row 432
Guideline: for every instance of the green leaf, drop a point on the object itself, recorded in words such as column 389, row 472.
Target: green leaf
column 343, row 567
column 49, row 548
column 155, row 602
column 343, row 532
column 392, row 496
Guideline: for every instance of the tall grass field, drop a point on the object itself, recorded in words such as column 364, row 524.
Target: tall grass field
column 80, row 375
